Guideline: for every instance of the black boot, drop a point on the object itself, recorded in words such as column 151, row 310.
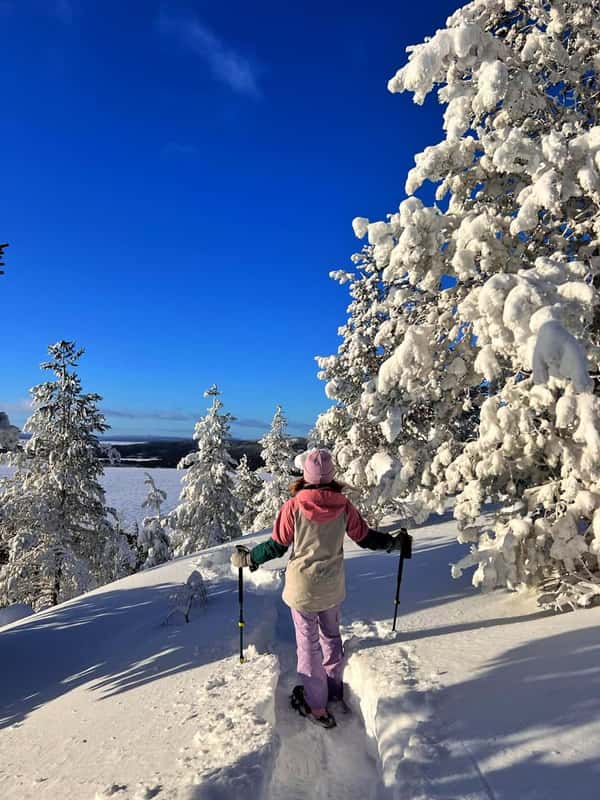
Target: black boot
column 299, row 704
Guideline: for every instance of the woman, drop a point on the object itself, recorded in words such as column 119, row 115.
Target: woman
column 314, row 521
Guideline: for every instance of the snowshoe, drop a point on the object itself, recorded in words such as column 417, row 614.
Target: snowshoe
column 299, row 704
column 326, row 721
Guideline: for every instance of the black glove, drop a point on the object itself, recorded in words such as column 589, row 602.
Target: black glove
column 402, row 543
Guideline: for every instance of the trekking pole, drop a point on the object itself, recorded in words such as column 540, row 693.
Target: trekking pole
column 405, row 552
column 241, row 623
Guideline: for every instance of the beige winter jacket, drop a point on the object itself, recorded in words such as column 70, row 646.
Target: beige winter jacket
column 314, row 522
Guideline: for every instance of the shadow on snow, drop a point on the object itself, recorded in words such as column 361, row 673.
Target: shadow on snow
column 113, row 641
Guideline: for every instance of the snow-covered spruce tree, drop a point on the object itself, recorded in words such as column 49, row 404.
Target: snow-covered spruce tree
column 247, row 486
column 278, row 456
column 153, row 539
column 207, row 513
column 56, row 538
column 349, row 428
column 519, row 170
column 396, row 426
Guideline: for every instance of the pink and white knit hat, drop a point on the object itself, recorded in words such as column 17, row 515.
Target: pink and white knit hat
column 318, row 467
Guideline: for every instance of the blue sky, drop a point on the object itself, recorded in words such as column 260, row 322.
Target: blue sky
column 178, row 178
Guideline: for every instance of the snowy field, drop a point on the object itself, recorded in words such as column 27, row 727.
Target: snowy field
column 125, row 489
column 475, row 698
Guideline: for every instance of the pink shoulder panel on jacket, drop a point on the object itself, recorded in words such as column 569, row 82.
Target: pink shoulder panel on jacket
column 283, row 530
column 318, row 506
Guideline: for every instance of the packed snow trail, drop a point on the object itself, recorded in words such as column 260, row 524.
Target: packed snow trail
column 313, row 763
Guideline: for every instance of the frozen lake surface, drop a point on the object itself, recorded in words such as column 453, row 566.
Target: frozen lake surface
column 126, row 491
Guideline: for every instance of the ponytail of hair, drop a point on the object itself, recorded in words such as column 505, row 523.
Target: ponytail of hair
column 300, row 484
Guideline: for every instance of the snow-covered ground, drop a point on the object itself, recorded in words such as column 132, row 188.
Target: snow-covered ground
column 125, row 489
column 475, row 698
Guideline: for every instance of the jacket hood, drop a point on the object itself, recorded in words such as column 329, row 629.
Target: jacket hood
column 321, row 505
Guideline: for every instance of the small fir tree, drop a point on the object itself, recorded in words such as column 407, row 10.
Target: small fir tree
column 207, row 513
column 153, row 539
column 56, row 538
column 248, row 485
column 121, row 555
column 278, row 457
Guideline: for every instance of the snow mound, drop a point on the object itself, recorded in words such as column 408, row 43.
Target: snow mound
column 14, row 613
column 216, row 565
column 239, row 737
column 394, row 704
column 558, row 354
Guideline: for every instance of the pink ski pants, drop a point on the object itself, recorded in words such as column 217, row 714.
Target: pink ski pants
column 320, row 654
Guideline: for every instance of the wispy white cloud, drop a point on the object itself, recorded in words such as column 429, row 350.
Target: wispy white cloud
column 165, row 416
column 191, row 417
column 18, row 410
column 261, row 424
column 226, row 64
